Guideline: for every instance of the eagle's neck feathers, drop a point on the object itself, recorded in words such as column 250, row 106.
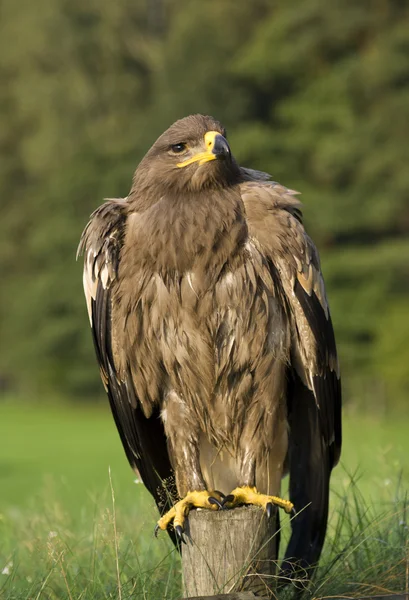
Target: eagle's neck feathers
column 181, row 233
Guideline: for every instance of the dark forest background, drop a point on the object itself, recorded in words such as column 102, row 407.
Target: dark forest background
column 315, row 93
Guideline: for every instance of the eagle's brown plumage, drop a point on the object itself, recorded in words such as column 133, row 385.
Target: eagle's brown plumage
column 212, row 330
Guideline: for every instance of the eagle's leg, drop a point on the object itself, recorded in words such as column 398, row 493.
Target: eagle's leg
column 183, row 442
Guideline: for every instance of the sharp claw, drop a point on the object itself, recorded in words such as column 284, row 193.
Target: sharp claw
column 226, row 500
column 213, row 500
column 293, row 512
column 269, row 510
column 156, row 530
column 179, row 533
column 220, row 494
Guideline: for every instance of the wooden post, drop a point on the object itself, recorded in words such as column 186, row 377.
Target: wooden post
column 229, row 551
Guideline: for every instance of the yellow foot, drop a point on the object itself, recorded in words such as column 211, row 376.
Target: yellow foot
column 250, row 495
column 179, row 512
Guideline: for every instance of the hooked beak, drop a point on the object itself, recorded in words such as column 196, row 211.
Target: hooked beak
column 216, row 147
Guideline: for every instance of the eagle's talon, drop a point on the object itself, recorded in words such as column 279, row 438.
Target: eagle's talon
column 213, row 500
column 227, row 500
column 156, row 530
column 179, row 533
column 269, row 509
column 222, row 496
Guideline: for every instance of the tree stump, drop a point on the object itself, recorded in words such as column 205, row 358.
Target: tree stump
column 229, row 551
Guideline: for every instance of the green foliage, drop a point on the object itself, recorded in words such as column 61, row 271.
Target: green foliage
column 317, row 95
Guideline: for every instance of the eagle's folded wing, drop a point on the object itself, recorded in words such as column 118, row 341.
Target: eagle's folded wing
column 143, row 438
column 314, row 389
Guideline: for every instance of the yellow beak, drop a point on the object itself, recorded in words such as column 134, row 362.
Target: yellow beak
column 216, row 147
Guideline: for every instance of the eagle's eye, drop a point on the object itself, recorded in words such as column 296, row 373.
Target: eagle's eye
column 178, row 148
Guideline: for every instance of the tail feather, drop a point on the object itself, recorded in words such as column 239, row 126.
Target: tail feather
column 310, row 470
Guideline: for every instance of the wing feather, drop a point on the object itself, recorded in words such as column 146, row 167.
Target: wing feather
column 314, row 389
column 143, row 438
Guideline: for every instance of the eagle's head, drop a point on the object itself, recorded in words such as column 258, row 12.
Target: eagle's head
column 191, row 156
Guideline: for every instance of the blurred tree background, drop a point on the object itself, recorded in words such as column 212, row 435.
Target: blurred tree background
column 315, row 93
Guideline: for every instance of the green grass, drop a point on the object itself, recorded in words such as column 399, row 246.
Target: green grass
column 61, row 535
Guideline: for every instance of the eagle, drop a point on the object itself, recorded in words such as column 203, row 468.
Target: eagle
column 214, row 339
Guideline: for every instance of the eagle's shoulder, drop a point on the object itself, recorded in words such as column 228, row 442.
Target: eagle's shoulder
column 100, row 244
column 274, row 219
column 261, row 196
column 103, row 221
